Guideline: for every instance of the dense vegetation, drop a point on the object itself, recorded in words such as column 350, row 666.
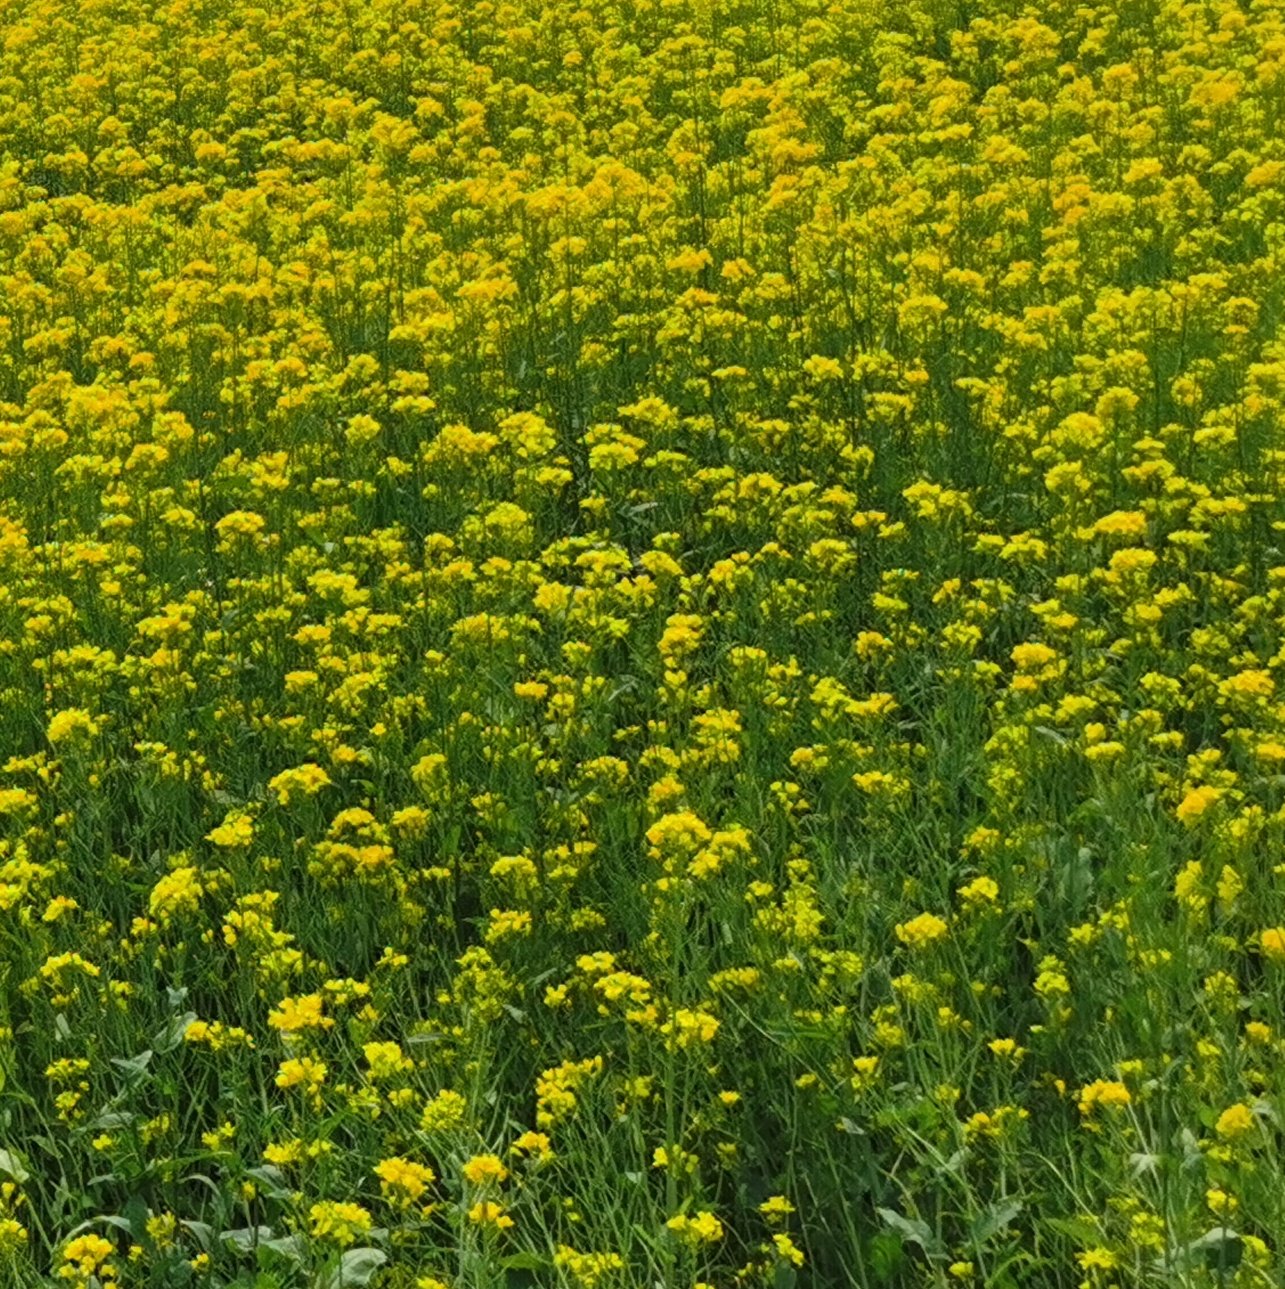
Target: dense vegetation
column 639, row 643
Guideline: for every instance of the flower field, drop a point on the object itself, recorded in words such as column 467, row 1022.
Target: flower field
column 641, row 644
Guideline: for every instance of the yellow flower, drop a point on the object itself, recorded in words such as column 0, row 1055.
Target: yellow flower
column 1032, row 656
column 535, row 1145
column 1235, row 1122
column 482, row 1170
column 588, row 1270
column 71, row 724
column 701, row 1227
column 86, row 1256
column 1104, row 1092
column 922, row 931
column 175, row 893
column 402, row 1180
column 304, row 780
column 1272, row 943
column 235, row 832
column 446, row 1111
column 690, row 260
column 776, row 1208
column 488, row 1213
column 1006, row 1049
column 1196, row 802
column 819, row 367
column 865, row 1071
column 1220, row 1203
column 13, row 1235
column 57, row 907
column 293, row 1015
column 1097, row 1260
column 429, row 772
column 339, row 1222
column 690, row 1027
column 979, row 892
column 787, row 1250
column 386, row 1060
column 303, row 1071
column 240, row 523
column 283, row 1153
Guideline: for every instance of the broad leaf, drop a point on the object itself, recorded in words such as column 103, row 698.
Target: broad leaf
column 355, row 1269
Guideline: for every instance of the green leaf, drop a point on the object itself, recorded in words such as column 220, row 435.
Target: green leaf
column 170, row 1035
column 995, row 1219
column 911, row 1229
column 1193, row 1158
column 525, row 1261
column 1083, row 1230
column 271, row 1181
column 355, row 1269
column 110, row 1119
column 288, row 1246
column 954, row 1165
column 1221, row 1249
column 886, row 1256
column 784, row 1276
column 11, row 1165
column 203, row 1232
column 136, row 1213
column 244, row 1238
column 133, row 1067
column 1053, row 736
column 110, row 1218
